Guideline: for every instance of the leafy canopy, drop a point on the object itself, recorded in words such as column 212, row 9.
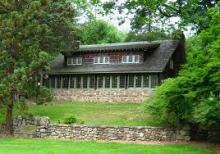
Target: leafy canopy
column 98, row 32
column 194, row 96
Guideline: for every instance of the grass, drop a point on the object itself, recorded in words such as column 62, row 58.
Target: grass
column 97, row 113
column 39, row 146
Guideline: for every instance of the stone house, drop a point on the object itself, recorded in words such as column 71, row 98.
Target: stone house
column 117, row 72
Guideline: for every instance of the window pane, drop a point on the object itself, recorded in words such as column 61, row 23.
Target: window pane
column 92, row 81
column 52, row 82
column 85, row 78
column 146, row 80
column 106, row 60
column 58, row 82
column 96, row 60
column 65, row 82
column 72, row 82
column 69, row 61
column 79, row 60
column 107, row 81
column 101, row 59
column 154, row 81
column 136, row 58
column 131, row 81
column 78, row 82
column 124, row 59
column 138, row 81
column 74, row 60
column 122, row 81
column 100, row 81
column 130, row 59
column 114, row 81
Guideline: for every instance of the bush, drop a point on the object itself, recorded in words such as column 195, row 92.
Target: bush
column 71, row 119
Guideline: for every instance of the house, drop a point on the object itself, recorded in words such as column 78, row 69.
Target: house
column 117, row 72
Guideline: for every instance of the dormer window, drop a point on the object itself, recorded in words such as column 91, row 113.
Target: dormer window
column 131, row 59
column 74, row 61
column 101, row 60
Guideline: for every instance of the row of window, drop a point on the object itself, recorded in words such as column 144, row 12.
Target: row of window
column 103, row 81
column 104, row 60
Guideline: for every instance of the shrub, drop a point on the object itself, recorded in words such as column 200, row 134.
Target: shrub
column 71, row 119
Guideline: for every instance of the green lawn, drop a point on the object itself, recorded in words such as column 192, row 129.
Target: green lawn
column 37, row 146
column 97, row 113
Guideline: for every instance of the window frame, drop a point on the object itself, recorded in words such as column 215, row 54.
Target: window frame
column 126, row 59
column 71, row 60
column 97, row 60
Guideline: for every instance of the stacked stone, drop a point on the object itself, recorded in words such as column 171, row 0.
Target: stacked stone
column 102, row 95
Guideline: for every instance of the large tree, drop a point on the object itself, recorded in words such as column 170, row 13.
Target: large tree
column 31, row 31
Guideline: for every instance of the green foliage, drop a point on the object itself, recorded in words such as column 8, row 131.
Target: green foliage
column 98, row 32
column 43, row 95
column 147, row 14
column 31, row 33
column 193, row 96
column 71, row 119
column 148, row 36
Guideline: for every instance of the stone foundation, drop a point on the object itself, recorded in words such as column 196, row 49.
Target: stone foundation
column 102, row 95
column 43, row 129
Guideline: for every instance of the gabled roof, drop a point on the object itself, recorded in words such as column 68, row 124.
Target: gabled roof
column 143, row 45
column 155, row 62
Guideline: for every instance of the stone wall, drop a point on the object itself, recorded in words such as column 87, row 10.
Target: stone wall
column 102, row 95
column 44, row 129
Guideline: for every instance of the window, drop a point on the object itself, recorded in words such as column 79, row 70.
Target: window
column 72, row 82
column 85, row 78
column 74, row 61
column 107, row 81
column 131, row 81
column 101, row 60
column 171, row 65
column 52, row 82
column 58, row 82
column 154, row 81
column 78, row 82
column 92, row 81
column 122, row 81
column 138, row 81
column 131, row 59
column 100, row 81
column 65, row 82
column 114, row 81
column 146, row 80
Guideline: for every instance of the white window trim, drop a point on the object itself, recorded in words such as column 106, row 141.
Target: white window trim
column 98, row 60
column 78, row 59
column 133, row 59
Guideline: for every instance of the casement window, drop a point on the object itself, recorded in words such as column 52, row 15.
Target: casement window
column 59, row 82
column 65, row 82
column 131, row 59
column 107, row 81
column 145, row 80
column 74, row 61
column 100, row 81
column 101, row 60
column 131, row 81
column 154, row 81
column 138, row 81
column 114, row 81
column 171, row 65
column 122, row 81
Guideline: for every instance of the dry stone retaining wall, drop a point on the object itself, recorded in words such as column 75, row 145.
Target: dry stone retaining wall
column 102, row 95
column 44, row 129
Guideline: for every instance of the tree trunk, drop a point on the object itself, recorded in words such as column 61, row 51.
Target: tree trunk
column 9, row 116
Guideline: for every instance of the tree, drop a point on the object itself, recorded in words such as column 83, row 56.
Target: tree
column 98, row 32
column 147, row 14
column 148, row 36
column 193, row 96
column 31, row 32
